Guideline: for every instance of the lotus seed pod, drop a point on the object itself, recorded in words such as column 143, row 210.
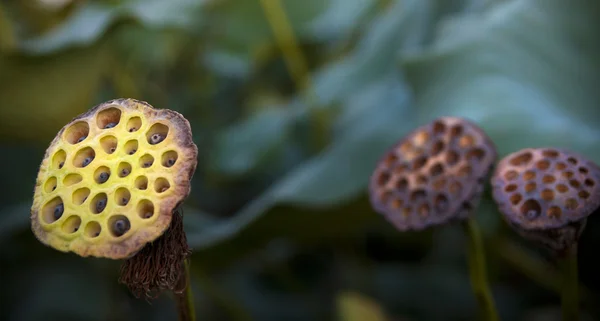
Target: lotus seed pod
column 112, row 178
column 546, row 194
column 434, row 175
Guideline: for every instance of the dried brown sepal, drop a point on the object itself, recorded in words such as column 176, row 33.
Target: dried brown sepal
column 546, row 194
column 159, row 265
column 434, row 175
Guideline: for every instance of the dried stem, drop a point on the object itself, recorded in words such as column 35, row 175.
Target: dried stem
column 570, row 288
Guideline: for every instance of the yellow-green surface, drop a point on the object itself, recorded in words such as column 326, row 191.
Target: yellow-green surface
column 111, row 178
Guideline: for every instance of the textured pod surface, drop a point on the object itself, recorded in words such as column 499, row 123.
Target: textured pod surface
column 111, row 178
column 433, row 175
column 546, row 188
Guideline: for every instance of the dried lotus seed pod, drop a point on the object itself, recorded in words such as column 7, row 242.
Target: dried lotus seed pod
column 112, row 178
column 434, row 175
column 546, row 194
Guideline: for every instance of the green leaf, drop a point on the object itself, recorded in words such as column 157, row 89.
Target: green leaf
column 526, row 71
column 353, row 306
column 93, row 18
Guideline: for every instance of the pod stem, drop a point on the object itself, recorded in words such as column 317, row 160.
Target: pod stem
column 477, row 271
column 185, row 298
column 570, row 286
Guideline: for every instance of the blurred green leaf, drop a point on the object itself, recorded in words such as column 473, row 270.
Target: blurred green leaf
column 526, row 71
column 93, row 18
column 46, row 93
column 353, row 306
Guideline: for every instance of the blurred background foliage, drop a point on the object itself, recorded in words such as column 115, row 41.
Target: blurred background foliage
column 278, row 216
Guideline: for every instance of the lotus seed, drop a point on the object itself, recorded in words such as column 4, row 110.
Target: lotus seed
column 100, row 205
column 87, row 161
column 532, row 214
column 112, row 150
column 58, row 211
column 131, row 152
column 82, row 138
column 146, row 164
column 124, row 172
column 156, row 138
column 170, row 162
column 132, row 129
column 110, row 125
column 103, row 177
column 121, row 226
column 124, row 201
column 61, row 164
column 147, row 214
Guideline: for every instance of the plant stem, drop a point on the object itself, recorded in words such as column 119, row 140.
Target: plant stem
column 185, row 298
column 477, row 271
column 570, row 286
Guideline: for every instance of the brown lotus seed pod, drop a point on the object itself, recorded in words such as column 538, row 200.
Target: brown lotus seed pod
column 434, row 175
column 546, row 194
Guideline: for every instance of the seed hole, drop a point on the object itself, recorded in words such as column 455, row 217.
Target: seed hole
column 122, row 196
column 124, row 169
column 439, row 127
column 102, row 174
column 134, row 124
column 72, row 179
column 554, row 212
column 169, row 158
column 560, row 166
column 157, row 133
column 419, row 163
column 406, row 211
column 53, row 210
column 421, row 179
column 71, row 225
column 417, row 195
column 131, row 147
column 466, row 141
column 584, row 194
column 421, row 138
column 456, row 130
column 521, row 159
column 510, row 175
column 406, row 147
column 439, row 184
column 389, row 159
column 108, row 118
column 571, row 203
column 77, row 132
column 400, row 169
column 543, row 165
column 441, row 203
column 572, row 160
column 436, row 170
column 402, row 184
column 589, row 182
column 562, row 188
column 574, row 183
column 141, row 182
column 583, row 170
column 92, row 229
column 547, row 194
column 50, row 185
column 452, row 157
column 146, row 161
column 516, row 198
column 424, row 210
column 529, row 175
column 550, row 153
column 109, row 144
column 455, row 187
column 119, row 225
column 161, row 185
column 530, row 187
column 437, row 148
column 396, row 203
column 81, row 195
column 58, row 160
column 145, row 209
column 84, row 157
column 511, row 188
column 567, row 174
column 548, row 179
column 465, row 171
column 98, row 203
column 476, row 154
column 531, row 209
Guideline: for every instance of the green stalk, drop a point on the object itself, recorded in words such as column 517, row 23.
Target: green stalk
column 477, row 271
column 185, row 299
column 570, row 287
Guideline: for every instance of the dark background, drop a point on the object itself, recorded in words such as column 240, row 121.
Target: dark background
column 278, row 216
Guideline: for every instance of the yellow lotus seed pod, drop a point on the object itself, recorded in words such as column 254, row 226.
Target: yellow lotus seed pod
column 111, row 179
